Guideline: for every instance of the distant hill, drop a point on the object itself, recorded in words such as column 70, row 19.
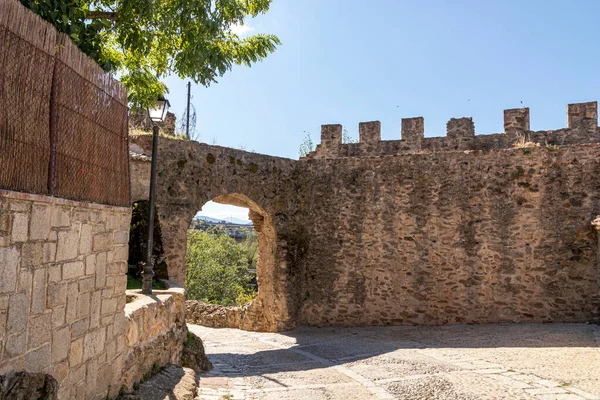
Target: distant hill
column 230, row 220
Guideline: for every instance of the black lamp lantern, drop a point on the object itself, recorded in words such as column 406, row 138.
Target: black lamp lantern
column 158, row 112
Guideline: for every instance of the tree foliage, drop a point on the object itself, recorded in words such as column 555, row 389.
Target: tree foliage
column 143, row 41
column 218, row 269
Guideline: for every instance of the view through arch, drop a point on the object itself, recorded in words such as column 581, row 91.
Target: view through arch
column 222, row 254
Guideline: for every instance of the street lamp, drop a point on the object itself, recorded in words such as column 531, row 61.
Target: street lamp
column 157, row 114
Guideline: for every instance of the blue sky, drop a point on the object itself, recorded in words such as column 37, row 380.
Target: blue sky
column 347, row 61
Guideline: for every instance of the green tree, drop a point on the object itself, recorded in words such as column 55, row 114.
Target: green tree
column 217, row 270
column 143, row 41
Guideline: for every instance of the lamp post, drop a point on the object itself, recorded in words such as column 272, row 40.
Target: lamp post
column 156, row 114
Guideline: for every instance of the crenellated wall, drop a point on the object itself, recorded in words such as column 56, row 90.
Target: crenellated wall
column 461, row 229
column 582, row 127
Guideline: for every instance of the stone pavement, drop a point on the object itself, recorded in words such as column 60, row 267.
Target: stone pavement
column 470, row 362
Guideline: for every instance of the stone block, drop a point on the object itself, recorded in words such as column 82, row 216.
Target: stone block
column 413, row 129
column 20, row 226
column 61, row 340
column 103, row 241
column 55, row 273
column 57, row 294
column 38, row 294
column 16, row 345
column 80, row 327
column 18, row 312
column 32, row 255
column 83, row 305
column 60, row 217
column 100, row 270
column 73, row 270
column 331, row 135
column 49, row 251
column 38, row 359
column 95, row 308
column 120, row 284
column 582, row 111
column 60, row 371
column 109, row 306
column 68, row 242
column 72, row 293
column 39, row 330
column 121, row 237
column 85, row 239
column 93, row 343
column 87, row 284
column 460, row 128
column 516, row 120
column 76, row 353
column 40, row 222
column 5, row 219
column 25, row 281
column 58, row 316
column 78, row 376
column 18, row 205
column 369, row 132
column 90, row 264
column 90, row 379
column 121, row 253
column 113, row 268
column 132, row 334
column 9, row 266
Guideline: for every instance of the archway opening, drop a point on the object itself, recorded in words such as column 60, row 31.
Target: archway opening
column 138, row 244
column 223, row 255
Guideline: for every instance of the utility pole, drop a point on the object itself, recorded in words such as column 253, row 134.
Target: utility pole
column 187, row 124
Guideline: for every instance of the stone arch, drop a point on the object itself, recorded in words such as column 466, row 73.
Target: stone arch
column 189, row 175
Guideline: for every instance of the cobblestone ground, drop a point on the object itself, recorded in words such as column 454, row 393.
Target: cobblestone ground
column 547, row 362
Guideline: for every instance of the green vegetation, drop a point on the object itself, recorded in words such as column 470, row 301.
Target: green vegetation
column 134, row 283
column 306, row 146
column 220, row 270
column 143, row 41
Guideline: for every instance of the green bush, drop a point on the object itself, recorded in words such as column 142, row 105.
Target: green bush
column 218, row 269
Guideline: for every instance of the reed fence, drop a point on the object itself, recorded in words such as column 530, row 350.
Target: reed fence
column 63, row 120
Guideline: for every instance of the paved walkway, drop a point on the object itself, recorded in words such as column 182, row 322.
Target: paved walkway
column 547, row 362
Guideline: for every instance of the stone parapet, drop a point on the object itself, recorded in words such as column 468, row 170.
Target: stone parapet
column 155, row 332
column 582, row 128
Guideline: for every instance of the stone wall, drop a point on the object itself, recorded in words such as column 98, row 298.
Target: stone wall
column 62, row 291
column 452, row 237
column 582, row 127
column 155, row 332
column 462, row 229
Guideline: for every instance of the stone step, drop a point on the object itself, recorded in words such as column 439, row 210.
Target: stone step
column 171, row 383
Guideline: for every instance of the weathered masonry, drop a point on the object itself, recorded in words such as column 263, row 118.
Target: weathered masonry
column 458, row 229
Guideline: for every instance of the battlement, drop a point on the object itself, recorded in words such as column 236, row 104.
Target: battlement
column 582, row 127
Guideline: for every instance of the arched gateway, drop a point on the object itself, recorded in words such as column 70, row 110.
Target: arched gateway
column 190, row 174
column 458, row 229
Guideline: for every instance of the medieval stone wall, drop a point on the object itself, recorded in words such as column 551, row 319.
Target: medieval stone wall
column 452, row 237
column 62, row 291
column 462, row 229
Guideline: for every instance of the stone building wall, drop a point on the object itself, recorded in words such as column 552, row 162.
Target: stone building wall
column 155, row 332
column 62, row 291
column 462, row 229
